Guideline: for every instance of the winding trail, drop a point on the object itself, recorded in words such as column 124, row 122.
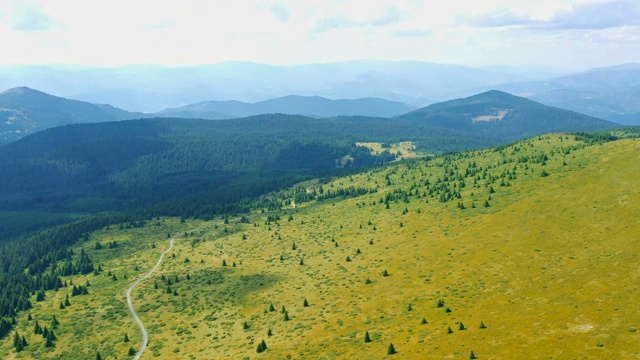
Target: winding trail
column 145, row 333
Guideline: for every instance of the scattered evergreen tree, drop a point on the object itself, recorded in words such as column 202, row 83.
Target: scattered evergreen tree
column 301, row 261
column 348, row 258
column 423, row 321
column 385, row 273
column 224, row 262
column 98, row 357
column 126, row 338
column 367, row 339
column 131, row 352
column 449, row 331
column 305, row 303
column 54, row 322
column 447, row 310
column 461, row 327
column 17, row 342
column 409, row 308
column 261, row 347
column 269, row 332
column 286, row 316
column 391, row 350
column 368, row 281
column 472, row 355
column 440, row 303
column 245, row 325
column 482, row 326
column 37, row 329
column 271, row 308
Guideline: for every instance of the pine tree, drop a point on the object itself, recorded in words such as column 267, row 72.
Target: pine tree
column 368, row 281
column 262, row 346
column 54, row 322
column 98, row 357
column 126, row 338
column 49, row 339
column 286, row 316
column 367, row 339
column 37, row 329
column 472, row 355
column 449, row 331
column 269, row 332
column 482, row 326
column 461, row 327
column 17, row 342
column 271, row 308
column 385, row 273
column 424, row 321
column 305, row 303
column 131, row 351
column 391, row 350
column 245, row 325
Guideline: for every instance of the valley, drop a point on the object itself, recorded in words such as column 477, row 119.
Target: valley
column 510, row 251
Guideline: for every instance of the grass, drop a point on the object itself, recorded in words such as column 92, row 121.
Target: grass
column 549, row 268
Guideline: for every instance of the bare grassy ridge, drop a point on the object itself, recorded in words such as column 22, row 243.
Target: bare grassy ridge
column 550, row 267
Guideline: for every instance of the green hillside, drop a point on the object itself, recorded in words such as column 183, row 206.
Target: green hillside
column 184, row 167
column 504, row 115
column 518, row 251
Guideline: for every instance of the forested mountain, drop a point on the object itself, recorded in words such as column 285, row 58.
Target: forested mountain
column 25, row 111
column 503, row 115
column 314, row 106
column 190, row 167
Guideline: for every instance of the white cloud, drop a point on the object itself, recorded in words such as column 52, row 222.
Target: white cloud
column 191, row 32
column 28, row 16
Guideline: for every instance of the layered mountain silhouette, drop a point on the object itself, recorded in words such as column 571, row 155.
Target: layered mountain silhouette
column 314, row 106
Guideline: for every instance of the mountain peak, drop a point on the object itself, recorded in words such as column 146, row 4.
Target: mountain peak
column 496, row 111
column 20, row 90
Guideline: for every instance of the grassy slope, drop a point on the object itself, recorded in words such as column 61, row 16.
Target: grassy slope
column 549, row 267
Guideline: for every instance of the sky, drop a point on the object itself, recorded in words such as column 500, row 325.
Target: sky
column 570, row 34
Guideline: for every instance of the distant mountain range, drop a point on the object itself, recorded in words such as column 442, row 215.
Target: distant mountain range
column 151, row 88
column 611, row 93
column 25, row 111
column 314, row 106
